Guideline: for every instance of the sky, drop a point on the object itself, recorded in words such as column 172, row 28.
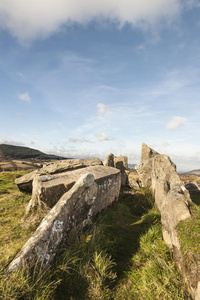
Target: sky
column 84, row 78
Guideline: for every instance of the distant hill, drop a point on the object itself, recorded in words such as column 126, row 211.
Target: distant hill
column 193, row 172
column 18, row 152
column 131, row 166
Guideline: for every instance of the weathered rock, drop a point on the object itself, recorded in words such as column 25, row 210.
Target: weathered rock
column 144, row 168
column 121, row 163
column 74, row 210
column 48, row 189
column 24, row 183
column 147, row 153
column 133, row 180
column 121, row 159
column 171, row 199
column 109, row 160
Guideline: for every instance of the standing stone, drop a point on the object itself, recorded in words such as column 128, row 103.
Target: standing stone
column 144, row 168
column 121, row 163
column 133, row 180
column 109, row 160
column 147, row 152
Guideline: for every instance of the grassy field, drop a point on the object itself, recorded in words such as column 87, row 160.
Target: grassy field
column 121, row 256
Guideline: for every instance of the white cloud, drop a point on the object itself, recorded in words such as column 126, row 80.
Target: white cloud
column 79, row 140
column 176, row 122
column 103, row 137
column 11, row 142
column 102, row 109
column 24, row 97
column 30, row 19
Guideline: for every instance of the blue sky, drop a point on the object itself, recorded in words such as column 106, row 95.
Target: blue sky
column 85, row 78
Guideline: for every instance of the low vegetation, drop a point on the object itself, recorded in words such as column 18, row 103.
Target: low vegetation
column 19, row 152
column 189, row 236
column 122, row 256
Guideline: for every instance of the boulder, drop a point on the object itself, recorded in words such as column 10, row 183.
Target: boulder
column 74, row 210
column 147, row 152
column 48, row 189
column 133, row 180
column 24, row 183
column 144, row 168
column 171, row 197
column 109, row 160
column 121, row 163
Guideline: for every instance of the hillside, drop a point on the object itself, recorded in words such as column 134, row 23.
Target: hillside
column 19, row 152
column 23, row 158
column 195, row 172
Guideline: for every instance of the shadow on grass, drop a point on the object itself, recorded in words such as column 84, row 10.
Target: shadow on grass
column 195, row 198
column 117, row 232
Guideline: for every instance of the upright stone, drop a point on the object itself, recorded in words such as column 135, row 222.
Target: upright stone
column 147, row 153
column 144, row 168
column 109, row 160
column 121, row 163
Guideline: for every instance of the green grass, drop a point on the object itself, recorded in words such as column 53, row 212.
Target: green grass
column 121, row 256
column 189, row 236
column 16, row 227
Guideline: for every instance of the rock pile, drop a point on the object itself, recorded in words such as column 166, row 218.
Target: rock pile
column 75, row 193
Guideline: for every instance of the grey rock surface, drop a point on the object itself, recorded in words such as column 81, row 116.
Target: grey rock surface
column 48, row 189
column 24, row 183
column 121, row 163
column 109, row 160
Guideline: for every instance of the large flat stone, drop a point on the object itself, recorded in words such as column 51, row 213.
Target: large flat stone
column 48, row 189
column 24, row 183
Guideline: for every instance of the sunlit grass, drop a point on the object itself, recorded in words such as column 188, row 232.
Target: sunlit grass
column 121, row 256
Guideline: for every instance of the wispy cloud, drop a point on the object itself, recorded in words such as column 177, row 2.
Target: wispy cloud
column 79, row 140
column 103, row 137
column 21, row 75
column 20, row 115
column 26, row 20
column 25, row 97
column 176, row 122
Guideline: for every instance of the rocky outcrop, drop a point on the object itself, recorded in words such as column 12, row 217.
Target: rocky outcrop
column 109, row 160
column 48, row 189
column 147, row 153
column 24, row 183
column 74, row 210
column 145, row 167
column 121, row 163
column 171, row 199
